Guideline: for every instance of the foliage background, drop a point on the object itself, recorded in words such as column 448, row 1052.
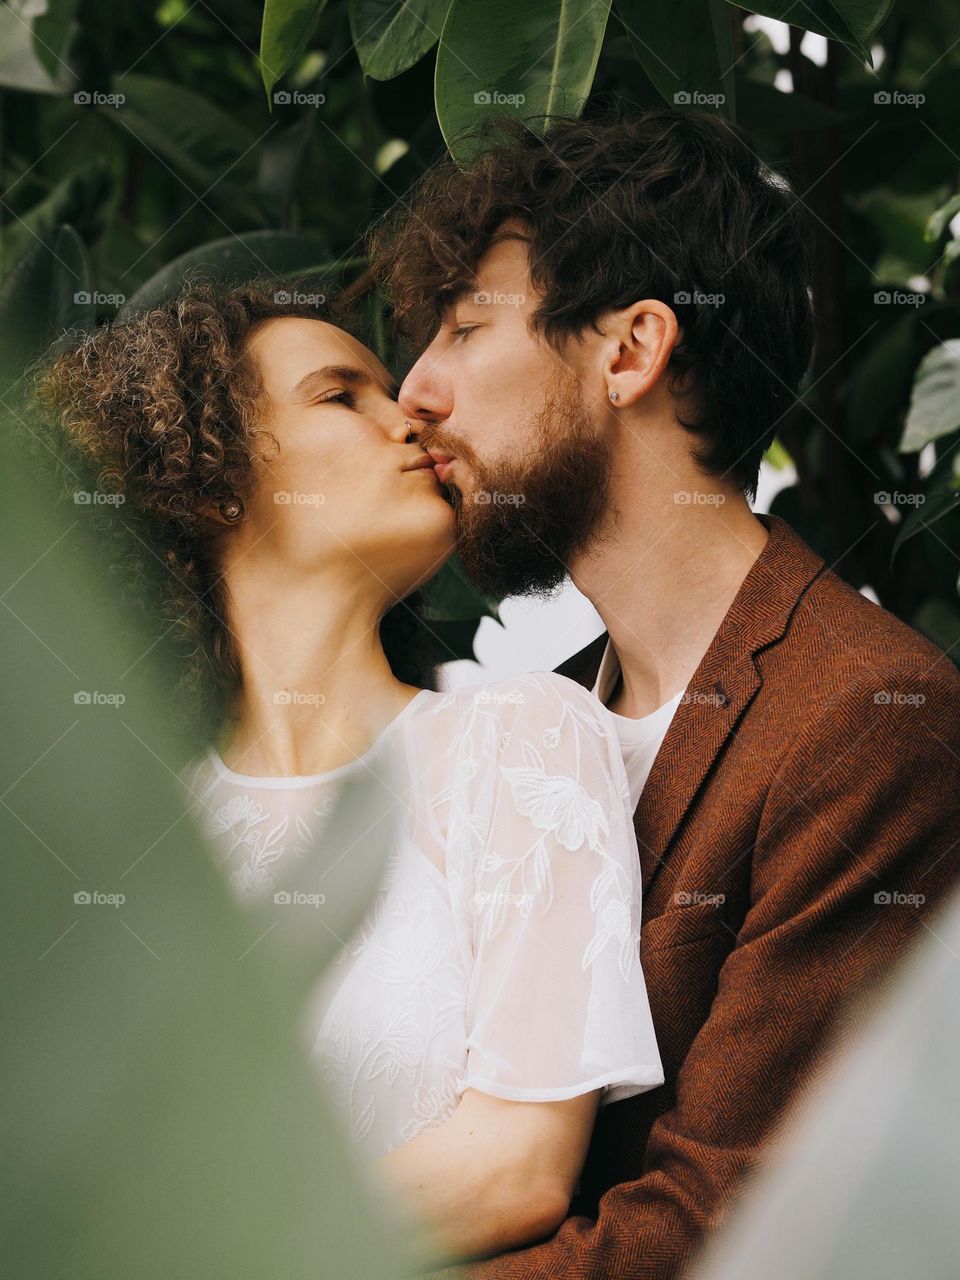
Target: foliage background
column 139, row 142
column 259, row 138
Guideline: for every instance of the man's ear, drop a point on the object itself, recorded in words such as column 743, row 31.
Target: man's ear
column 639, row 341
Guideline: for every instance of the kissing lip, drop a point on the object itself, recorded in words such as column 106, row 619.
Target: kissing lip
column 424, row 461
column 442, row 463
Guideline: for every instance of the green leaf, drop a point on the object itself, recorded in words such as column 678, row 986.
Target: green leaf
column 850, row 22
column 201, row 143
column 53, row 33
column 36, row 304
column 20, row 68
column 881, row 378
column 938, row 221
column 81, row 198
column 286, row 31
column 939, row 502
column 233, row 260
column 167, row 1023
column 686, row 49
column 390, row 38
column 939, row 621
column 282, row 154
column 777, row 456
column 72, row 298
column 901, row 219
column 526, row 60
column 935, row 399
column 450, row 596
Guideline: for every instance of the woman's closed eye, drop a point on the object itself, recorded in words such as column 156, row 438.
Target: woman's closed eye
column 349, row 398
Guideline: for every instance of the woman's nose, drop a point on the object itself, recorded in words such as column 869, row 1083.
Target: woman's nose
column 399, row 428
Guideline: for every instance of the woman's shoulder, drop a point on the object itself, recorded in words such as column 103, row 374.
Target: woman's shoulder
column 535, row 699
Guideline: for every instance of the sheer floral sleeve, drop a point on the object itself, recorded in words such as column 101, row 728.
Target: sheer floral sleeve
column 544, row 875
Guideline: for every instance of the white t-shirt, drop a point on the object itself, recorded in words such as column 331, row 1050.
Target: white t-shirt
column 502, row 950
column 640, row 737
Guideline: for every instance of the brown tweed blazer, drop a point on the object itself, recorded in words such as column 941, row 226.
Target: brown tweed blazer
column 800, row 827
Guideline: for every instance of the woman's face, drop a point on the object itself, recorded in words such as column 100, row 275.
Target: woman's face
column 342, row 488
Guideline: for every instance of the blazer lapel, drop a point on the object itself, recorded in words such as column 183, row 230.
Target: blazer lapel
column 719, row 691
column 721, row 688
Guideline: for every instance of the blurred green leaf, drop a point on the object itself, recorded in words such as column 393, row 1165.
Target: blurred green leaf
column 685, row 48
column 881, row 378
column 527, row 60
column 938, row 221
column 284, row 36
column 938, row 502
column 160, row 1116
column 851, row 22
column 20, row 68
column 452, row 597
column 210, row 151
column 52, row 34
column 36, row 304
column 233, row 260
column 935, row 400
column 390, row 38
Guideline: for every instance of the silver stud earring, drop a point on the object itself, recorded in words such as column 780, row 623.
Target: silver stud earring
column 614, row 395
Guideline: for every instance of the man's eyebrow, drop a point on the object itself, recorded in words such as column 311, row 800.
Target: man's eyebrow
column 343, row 373
column 458, row 294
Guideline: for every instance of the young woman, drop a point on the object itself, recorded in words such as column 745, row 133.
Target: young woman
column 493, row 996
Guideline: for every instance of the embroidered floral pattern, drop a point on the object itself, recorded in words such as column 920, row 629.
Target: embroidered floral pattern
column 512, row 900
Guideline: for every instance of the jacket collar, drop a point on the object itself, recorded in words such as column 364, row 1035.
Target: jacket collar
column 720, row 689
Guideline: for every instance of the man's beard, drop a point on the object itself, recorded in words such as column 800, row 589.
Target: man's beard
column 524, row 521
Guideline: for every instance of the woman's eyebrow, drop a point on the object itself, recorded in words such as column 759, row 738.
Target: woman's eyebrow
column 340, row 373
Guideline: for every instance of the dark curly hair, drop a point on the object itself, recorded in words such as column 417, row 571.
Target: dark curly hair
column 667, row 204
column 162, row 407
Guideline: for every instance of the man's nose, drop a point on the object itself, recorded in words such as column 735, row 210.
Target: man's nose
column 423, row 395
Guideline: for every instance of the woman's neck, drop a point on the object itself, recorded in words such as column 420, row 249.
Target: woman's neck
column 317, row 686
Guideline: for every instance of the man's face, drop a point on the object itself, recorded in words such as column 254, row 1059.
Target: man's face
column 529, row 466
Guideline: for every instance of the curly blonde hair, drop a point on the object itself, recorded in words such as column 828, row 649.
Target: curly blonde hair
column 165, row 406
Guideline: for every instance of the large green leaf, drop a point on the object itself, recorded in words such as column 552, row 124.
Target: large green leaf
column 73, row 301
column 211, row 152
column 52, row 34
column 935, row 399
column 284, row 36
column 390, row 37
column 881, row 377
column 686, row 49
column 505, row 58
column 160, row 1116
column 938, row 502
column 37, row 304
column 940, row 219
column 282, row 156
column 452, row 597
column 233, row 260
column 20, row 68
column 80, row 198
column 851, row 22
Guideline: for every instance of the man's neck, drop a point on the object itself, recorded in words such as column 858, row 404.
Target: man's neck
column 662, row 588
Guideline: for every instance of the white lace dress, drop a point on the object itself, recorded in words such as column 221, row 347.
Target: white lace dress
column 502, row 950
